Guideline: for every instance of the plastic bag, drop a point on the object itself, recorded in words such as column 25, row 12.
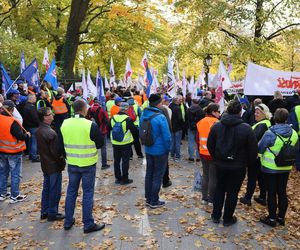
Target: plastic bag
column 197, row 186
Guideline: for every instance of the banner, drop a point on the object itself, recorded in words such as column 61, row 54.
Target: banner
column 265, row 81
column 236, row 87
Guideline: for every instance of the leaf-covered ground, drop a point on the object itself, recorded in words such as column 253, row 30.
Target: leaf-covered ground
column 182, row 224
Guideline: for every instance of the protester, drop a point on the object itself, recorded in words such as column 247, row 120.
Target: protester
column 12, row 144
column 110, row 103
column 276, row 177
column 115, row 109
column 82, row 156
column 233, row 147
column 52, row 163
column 156, row 154
column 209, row 168
column 207, row 99
column 277, row 102
column 194, row 115
column 122, row 147
column 262, row 117
column 31, row 123
column 61, row 109
column 294, row 119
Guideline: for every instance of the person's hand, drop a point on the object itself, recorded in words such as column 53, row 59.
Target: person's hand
column 28, row 133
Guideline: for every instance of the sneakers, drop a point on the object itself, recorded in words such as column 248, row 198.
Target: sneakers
column 157, row 204
column 260, row 200
column 268, row 221
column 147, row 203
column 4, row 196
column 19, row 198
column 128, row 181
column 245, row 201
column 168, row 184
column 230, row 222
column 106, row 166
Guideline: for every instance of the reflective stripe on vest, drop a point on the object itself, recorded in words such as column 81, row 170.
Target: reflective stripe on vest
column 9, row 143
column 268, row 159
column 59, row 107
column 182, row 111
column 265, row 121
column 128, row 138
column 137, row 120
column 80, row 150
column 297, row 112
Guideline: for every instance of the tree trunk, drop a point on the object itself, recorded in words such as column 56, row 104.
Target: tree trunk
column 259, row 12
column 77, row 16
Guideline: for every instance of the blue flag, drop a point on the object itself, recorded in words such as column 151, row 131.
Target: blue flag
column 149, row 80
column 100, row 89
column 6, row 81
column 22, row 63
column 31, row 75
column 51, row 75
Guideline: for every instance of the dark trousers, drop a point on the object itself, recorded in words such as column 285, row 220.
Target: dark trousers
column 276, row 189
column 137, row 145
column 121, row 152
column 51, row 194
column 166, row 177
column 229, row 183
column 254, row 174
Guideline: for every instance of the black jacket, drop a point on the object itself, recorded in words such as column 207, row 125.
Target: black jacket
column 194, row 114
column 231, row 134
column 177, row 120
column 30, row 116
column 205, row 101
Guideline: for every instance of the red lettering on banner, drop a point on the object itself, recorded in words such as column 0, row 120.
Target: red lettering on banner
column 293, row 83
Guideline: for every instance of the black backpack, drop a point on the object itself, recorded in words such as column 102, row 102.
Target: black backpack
column 146, row 131
column 287, row 154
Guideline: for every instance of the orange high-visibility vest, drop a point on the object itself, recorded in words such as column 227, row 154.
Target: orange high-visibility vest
column 9, row 143
column 203, row 127
column 114, row 110
column 59, row 107
column 138, row 99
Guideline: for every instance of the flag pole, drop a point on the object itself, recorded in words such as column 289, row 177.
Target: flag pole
column 5, row 109
column 12, row 84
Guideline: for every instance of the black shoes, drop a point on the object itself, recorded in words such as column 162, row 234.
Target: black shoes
column 106, row 166
column 168, row 184
column 245, row 201
column 281, row 221
column 260, row 200
column 268, row 221
column 117, row 181
column 44, row 216
column 69, row 227
column 95, row 228
column 230, row 222
column 215, row 220
column 128, row 181
column 56, row 217
column 191, row 159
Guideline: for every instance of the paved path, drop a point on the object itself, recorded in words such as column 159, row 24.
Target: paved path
column 183, row 224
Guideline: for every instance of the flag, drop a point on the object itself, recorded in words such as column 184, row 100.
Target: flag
column 171, row 77
column 6, row 81
column 46, row 59
column 22, row 63
column 128, row 71
column 177, row 71
column 155, row 83
column 84, row 86
column 31, row 75
column 100, row 89
column 191, row 85
column 92, row 89
column 106, row 84
column 51, row 76
column 184, row 84
column 112, row 77
column 149, row 78
column 140, row 83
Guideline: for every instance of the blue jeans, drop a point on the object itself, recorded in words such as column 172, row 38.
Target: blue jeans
column 10, row 164
column 32, row 145
column 176, row 140
column 51, row 194
column 87, row 175
column 156, row 167
column 104, row 152
column 192, row 144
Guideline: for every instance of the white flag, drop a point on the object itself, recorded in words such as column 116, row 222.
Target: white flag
column 128, row 70
column 107, row 86
column 92, row 89
column 46, row 59
column 112, row 77
column 84, row 86
column 191, row 85
column 144, row 61
column 184, row 84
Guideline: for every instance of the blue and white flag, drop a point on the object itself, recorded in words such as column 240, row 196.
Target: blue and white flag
column 22, row 63
column 149, row 78
column 31, row 75
column 100, row 88
column 51, row 75
column 6, row 81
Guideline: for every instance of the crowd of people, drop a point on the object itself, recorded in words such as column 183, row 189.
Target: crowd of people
column 250, row 138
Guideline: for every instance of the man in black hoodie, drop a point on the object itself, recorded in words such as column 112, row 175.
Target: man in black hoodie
column 233, row 147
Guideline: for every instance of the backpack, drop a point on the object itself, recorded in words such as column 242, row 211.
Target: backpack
column 226, row 144
column 287, row 154
column 131, row 113
column 117, row 131
column 146, row 131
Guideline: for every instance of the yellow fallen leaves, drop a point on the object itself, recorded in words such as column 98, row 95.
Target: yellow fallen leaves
column 168, row 234
column 198, row 244
column 80, row 245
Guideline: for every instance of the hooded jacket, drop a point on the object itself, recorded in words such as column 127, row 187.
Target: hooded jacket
column 231, row 135
column 160, row 132
column 194, row 115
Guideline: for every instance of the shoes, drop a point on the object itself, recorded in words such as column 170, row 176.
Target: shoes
column 140, row 156
column 19, row 198
column 268, row 221
column 69, row 227
column 197, row 160
column 177, row 160
column 204, row 202
column 157, row 204
column 147, row 204
column 191, row 159
column 128, row 181
column 44, row 216
column 210, row 204
column 281, row 221
column 106, row 166
column 168, row 184
column 56, row 217
column 117, row 181
column 260, row 200
column 245, row 201
column 36, row 160
column 96, row 227
column 215, row 220
column 230, row 222
column 130, row 158
column 4, row 196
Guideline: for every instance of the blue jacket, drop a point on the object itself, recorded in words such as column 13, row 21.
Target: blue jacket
column 269, row 139
column 160, row 132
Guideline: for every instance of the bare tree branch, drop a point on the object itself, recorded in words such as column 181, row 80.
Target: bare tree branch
column 270, row 12
column 280, row 31
column 234, row 36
